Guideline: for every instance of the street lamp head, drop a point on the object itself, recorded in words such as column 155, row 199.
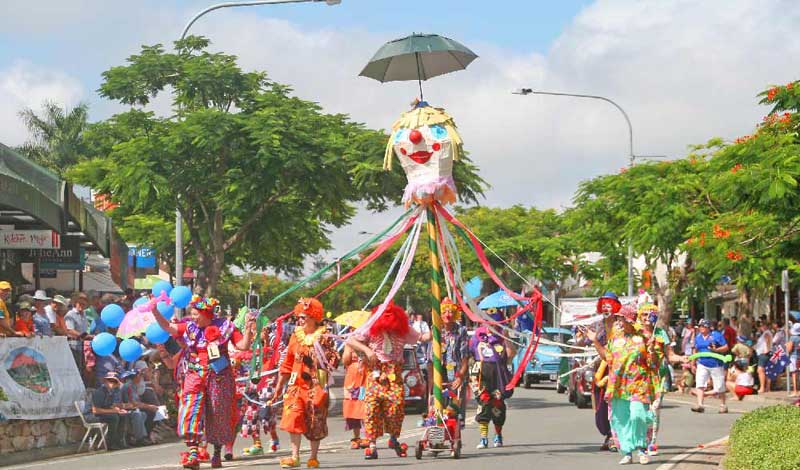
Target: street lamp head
column 522, row 91
column 330, row 2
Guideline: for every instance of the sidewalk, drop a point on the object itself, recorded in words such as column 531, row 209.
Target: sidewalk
column 770, row 398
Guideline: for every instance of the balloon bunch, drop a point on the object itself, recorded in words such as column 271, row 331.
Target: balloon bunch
column 164, row 297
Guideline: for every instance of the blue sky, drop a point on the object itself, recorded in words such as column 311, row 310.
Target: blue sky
column 519, row 26
column 684, row 70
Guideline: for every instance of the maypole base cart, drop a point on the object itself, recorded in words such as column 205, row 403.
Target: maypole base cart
column 442, row 433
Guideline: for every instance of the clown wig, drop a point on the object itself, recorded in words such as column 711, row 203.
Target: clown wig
column 310, row 307
column 393, row 321
column 204, row 305
column 448, row 305
column 423, row 116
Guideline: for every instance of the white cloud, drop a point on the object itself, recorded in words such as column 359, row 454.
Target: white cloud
column 26, row 85
column 684, row 70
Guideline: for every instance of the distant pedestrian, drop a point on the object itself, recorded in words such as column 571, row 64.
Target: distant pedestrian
column 707, row 341
column 793, row 348
column 763, row 348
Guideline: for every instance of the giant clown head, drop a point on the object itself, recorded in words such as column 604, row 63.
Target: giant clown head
column 426, row 142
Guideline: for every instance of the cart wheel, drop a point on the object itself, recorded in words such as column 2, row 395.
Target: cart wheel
column 418, row 451
column 457, row 450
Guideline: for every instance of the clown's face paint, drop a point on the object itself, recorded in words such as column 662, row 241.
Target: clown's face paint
column 425, row 153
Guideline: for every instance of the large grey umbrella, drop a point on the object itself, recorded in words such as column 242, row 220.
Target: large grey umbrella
column 418, row 57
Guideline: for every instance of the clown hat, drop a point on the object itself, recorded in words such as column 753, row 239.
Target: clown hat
column 609, row 298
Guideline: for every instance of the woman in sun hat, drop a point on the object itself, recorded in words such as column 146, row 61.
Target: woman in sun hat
column 607, row 305
column 631, row 384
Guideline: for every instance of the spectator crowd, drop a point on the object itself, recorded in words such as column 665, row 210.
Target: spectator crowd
column 132, row 398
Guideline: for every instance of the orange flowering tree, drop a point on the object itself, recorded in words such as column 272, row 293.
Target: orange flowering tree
column 753, row 200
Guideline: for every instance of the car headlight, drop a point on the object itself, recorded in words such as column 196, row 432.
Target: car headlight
column 411, row 381
column 588, row 375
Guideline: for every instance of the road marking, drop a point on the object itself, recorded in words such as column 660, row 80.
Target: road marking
column 674, row 461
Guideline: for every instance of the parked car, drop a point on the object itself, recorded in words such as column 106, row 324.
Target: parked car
column 581, row 382
column 415, row 388
column 545, row 365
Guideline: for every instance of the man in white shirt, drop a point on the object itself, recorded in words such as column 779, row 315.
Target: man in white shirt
column 421, row 326
column 763, row 348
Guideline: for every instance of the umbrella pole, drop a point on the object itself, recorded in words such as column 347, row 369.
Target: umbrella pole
column 436, row 319
column 419, row 77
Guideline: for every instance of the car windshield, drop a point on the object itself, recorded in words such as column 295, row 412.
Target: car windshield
column 409, row 359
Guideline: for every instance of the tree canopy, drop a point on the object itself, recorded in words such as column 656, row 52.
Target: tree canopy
column 259, row 176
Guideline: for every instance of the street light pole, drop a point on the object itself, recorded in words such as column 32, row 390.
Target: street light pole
column 631, row 155
column 178, row 217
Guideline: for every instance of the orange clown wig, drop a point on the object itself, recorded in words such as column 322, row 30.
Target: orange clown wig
column 310, row 307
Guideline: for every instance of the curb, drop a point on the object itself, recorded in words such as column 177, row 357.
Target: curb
column 678, row 459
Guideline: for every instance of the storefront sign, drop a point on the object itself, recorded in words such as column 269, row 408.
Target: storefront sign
column 28, row 239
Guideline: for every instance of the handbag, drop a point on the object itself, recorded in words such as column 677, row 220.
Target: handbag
column 219, row 364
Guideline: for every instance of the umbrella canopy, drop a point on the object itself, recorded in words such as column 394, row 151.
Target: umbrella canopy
column 498, row 300
column 418, row 57
column 352, row 319
column 135, row 323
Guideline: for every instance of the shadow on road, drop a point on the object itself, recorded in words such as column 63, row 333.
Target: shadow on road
column 534, row 403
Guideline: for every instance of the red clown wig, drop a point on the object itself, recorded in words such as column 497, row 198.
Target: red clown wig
column 394, row 321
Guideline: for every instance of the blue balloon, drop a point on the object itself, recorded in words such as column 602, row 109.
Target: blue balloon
column 166, row 309
column 140, row 301
column 161, row 286
column 112, row 315
column 130, row 350
column 155, row 334
column 104, row 344
column 181, row 296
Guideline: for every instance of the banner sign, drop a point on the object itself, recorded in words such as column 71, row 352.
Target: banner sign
column 28, row 239
column 145, row 256
column 583, row 310
column 38, row 379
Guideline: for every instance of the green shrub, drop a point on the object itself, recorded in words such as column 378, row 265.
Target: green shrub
column 765, row 439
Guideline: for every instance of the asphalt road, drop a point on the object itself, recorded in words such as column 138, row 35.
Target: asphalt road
column 543, row 431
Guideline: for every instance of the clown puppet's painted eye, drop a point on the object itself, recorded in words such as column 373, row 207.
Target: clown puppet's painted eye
column 438, row 132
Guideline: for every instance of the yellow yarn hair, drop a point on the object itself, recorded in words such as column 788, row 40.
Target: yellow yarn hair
column 424, row 116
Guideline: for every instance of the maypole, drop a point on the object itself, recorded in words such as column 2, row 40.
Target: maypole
column 436, row 319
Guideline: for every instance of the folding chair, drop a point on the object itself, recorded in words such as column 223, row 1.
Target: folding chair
column 93, row 431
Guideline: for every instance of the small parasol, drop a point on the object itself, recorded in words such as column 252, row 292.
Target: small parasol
column 418, row 57
column 135, row 323
column 353, row 319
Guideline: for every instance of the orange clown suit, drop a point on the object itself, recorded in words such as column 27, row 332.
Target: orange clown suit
column 305, row 404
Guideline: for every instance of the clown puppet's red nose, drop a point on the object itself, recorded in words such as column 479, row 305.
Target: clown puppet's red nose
column 415, row 136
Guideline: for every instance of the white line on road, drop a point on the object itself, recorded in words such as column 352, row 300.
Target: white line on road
column 674, row 461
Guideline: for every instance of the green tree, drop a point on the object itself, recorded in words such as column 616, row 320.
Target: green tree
column 754, row 202
column 258, row 175
column 57, row 135
column 651, row 206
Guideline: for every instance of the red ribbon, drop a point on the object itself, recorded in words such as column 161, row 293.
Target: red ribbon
column 536, row 297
